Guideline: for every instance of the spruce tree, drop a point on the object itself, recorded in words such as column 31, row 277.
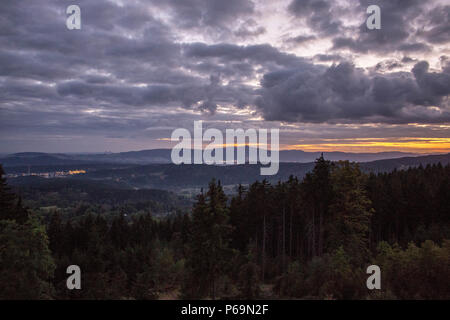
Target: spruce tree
column 209, row 245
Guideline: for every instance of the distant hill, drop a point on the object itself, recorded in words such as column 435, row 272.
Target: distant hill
column 168, row 176
column 162, row 156
column 405, row 163
column 174, row 177
column 165, row 188
column 36, row 159
column 177, row 177
column 302, row 156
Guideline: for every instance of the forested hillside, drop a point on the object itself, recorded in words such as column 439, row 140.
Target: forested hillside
column 190, row 178
column 163, row 156
column 75, row 197
column 301, row 238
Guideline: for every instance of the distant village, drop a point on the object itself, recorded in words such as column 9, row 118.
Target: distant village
column 55, row 174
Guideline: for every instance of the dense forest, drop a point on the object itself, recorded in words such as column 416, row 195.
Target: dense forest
column 75, row 198
column 311, row 238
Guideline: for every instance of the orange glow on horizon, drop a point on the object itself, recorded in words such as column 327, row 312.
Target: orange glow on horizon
column 416, row 145
column 357, row 145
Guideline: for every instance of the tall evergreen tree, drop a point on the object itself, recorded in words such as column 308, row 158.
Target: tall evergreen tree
column 26, row 264
column 10, row 205
column 351, row 210
column 209, row 246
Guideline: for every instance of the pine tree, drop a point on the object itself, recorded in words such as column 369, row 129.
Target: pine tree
column 55, row 234
column 8, row 206
column 209, row 245
column 318, row 195
column 351, row 211
column 26, row 264
column 249, row 275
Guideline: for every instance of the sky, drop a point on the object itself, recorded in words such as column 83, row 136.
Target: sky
column 139, row 69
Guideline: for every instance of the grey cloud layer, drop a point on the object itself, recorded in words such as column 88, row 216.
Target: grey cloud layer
column 344, row 93
column 406, row 25
column 128, row 65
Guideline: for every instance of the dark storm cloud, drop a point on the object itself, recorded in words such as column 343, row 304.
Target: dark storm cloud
column 34, row 43
column 388, row 65
column 321, row 15
column 293, row 42
column 328, row 57
column 406, row 25
column 257, row 54
column 249, row 29
column 206, row 95
column 344, row 93
column 300, row 39
column 434, row 86
column 102, row 64
column 364, row 44
column 29, row 65
column 438, row 25
column 218, row 14
column 399, row 31
column 20, row 89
